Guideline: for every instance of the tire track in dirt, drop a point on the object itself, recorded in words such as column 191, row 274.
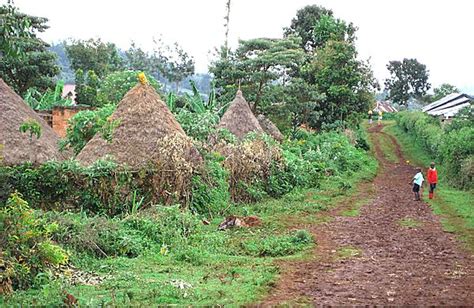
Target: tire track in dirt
column 395, row 265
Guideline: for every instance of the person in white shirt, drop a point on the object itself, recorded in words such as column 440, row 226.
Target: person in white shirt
column 417, row 183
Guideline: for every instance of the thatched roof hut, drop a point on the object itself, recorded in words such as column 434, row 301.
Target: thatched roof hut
column 239, row 119
column 143, row 120
column 270, row 128
column 17, row 147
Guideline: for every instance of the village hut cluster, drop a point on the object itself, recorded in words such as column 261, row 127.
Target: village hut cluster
column 143, row 134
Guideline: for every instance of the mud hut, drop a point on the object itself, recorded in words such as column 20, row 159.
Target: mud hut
column 17, row 147
column 270, row 128
column 137, row 129
column 239, row 119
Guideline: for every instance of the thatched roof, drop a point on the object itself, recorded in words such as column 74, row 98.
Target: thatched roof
column 17, row 147
column 143, row 120
column 239, row 119
column 270, row 128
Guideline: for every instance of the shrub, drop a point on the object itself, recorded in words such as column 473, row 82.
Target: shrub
column 452, row 145
column 210, row 191
column 84, row 125
column 26, row 247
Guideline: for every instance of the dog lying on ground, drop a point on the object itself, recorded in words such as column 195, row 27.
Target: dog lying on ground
column 235, row 221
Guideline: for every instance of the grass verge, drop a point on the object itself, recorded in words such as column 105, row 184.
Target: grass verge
column 452, row 205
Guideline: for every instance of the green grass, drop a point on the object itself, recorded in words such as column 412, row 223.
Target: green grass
column 408, row 222
column 235, row 267
column 348, row 252
column 388, row 148
column 454, row 206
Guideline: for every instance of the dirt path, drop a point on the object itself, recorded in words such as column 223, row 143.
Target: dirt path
column 373, row 259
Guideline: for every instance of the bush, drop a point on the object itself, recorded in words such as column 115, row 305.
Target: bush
column 211, row 192
column 452, row 145
column 26, row 247
column 84, row 125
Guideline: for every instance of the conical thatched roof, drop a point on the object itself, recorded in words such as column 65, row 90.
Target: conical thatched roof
column 17, row 147
column 143, row 120
column 239, row 119
column 270, row 128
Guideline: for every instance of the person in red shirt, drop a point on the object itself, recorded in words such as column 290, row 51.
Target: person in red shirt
column 432, row 179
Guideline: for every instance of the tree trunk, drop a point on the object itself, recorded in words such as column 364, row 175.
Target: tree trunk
column 257, row 98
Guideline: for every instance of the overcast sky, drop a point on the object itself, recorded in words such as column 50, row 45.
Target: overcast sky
column 437, row 33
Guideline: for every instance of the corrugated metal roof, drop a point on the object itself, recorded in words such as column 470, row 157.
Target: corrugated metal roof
column 441, row 101
column 449, row 105
column 449, row 112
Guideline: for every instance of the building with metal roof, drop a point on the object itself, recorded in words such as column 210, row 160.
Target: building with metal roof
column 384, row 107
column 449, row 106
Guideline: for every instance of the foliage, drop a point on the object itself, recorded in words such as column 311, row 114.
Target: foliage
column 84, row 125
column 25, row 61
column 304, row 23
column 346, row 82
column 442, row 91
column 13, row 28
column 255, row 66
column 48, row 99
column 32, row 127
column 408, row 78
column 211, row 194
column 94, row 55
column 198, row 117
column 26, row 244
column 280, row 245
column 452, row 146
column 114, row 87
column 174, row 62
column 87, row 86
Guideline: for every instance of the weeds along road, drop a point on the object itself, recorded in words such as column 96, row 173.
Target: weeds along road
column 394, row 252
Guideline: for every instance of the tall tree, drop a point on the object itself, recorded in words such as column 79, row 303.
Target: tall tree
column 408, row 78
column 345, row 83
column 257, row 65
column 303, row 25
column 94, row 55
column 174, row 62
column 25, row 61
column 138, row 59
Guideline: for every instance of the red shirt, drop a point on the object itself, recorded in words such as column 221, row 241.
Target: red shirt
column 432, row 176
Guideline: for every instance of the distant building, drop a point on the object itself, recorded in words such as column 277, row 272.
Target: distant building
column 449, row 106
column 69, row 91
column 385, row 107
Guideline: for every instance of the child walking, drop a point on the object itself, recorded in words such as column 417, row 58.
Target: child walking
column 417, row 183
column 432, row 179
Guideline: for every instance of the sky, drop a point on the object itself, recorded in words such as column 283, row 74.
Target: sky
column 437, row 33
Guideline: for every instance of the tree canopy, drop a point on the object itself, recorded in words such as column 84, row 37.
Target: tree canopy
column 408, row 79
column 303, row 25
column 258, row 65
column 94, row 55
column 25, row 60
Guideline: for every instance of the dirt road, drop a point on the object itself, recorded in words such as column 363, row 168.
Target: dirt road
column 394, row 253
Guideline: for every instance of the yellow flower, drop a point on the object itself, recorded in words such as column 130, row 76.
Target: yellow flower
column 142, row 78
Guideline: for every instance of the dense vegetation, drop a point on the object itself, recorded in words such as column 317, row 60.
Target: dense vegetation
column 451, row 144
column 89, row 213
